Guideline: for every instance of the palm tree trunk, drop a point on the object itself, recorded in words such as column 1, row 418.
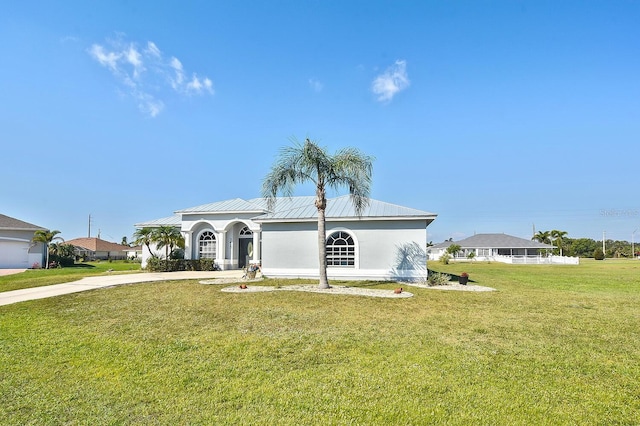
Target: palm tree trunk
column 322, row 250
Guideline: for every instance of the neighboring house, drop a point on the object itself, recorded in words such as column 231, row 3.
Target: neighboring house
column 17, row 251
column 500, row 248
column 134, row 252
column 387, row 242
column 97, row 249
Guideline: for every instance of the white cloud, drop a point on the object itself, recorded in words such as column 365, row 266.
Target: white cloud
column 146, row 73
column 316, row 85
column 134, row 58
column 108, row 59
column 393, row 80
column 178, row 78
column 198, row 86
column 153, row 50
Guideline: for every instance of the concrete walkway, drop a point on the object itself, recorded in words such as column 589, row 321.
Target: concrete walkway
column 92, row 283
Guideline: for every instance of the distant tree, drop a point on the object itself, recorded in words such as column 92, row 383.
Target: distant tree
column 46, row 237
column 453, row 249
column 581, row 247
column 598, row 254
column 543, row 237
column 124, row 241
column 308, row 162
column 557, row 239
column 144, row 236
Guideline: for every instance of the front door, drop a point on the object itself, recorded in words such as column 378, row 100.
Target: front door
column 245, row 252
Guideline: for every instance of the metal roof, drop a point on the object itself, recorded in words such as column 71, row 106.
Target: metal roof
column 236, row 205
column 175, row 220
column 500, row 241
column 295, row 209
column 342, row 208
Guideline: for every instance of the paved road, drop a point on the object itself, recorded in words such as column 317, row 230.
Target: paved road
column 91, row 283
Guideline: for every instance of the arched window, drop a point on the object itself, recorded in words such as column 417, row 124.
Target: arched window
column 246, row 232
column 341, row 249
column 207, row 245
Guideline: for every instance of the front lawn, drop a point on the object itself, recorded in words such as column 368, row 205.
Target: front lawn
column 554, row 345
column 40, row 277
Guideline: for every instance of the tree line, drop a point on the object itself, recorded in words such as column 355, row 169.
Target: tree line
column 585, row 247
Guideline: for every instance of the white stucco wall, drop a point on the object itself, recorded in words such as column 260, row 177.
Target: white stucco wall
column 291, row 249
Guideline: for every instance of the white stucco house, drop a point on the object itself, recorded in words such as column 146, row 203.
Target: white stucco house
column 386, row 242
column 17, row 251
column 500, row 248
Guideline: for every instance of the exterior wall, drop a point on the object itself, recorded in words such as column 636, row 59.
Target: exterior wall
column 384, row 250
column 226, row 228
column 18, row 252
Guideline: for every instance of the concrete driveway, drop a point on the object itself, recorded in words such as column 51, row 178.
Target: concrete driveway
column 91, row 283
column 10, row 271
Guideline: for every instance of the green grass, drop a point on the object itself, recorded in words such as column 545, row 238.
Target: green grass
column 554, row 345
column 40, row 277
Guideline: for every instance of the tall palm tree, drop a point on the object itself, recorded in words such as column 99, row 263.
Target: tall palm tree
column 308, row 162
column 46, row 237
column 557, row 238
column 167, row 237
column 543, row 237
column 144, row 236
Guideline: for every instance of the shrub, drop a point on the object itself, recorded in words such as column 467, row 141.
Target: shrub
column 156, row 264
column 437, row 278
column 598, row 254
column 445, row 258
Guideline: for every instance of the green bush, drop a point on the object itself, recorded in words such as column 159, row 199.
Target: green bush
column 598, row 254
column 445, row 258
column 63, row 261
column 156, row 264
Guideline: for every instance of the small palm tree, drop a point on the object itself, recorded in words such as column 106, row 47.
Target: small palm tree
column 308, row 162
column 167, row 237
column 46, row 237
column 144, row 236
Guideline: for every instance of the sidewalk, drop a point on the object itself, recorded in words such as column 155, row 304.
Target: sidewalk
column 91, row 283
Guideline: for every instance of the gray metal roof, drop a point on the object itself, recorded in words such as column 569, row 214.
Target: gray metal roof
column 342, row 208
column 295, row 209
column 10, row 223
column 175, row 220
column 236, row 205
column 500, row 241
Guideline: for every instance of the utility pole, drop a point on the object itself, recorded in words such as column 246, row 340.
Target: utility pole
column 89, row 233
column 633, row 251
column 603, row 246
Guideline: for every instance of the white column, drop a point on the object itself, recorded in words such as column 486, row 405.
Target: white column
column 221, row 249
column 188, row 250
column 256, row 247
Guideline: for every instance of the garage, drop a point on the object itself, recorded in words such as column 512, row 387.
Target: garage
column 17, row 251
column 14, row 255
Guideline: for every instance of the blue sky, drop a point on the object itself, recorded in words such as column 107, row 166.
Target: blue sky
column 497, row 115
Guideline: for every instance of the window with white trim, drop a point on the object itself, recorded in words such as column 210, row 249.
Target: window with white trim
column 341, row 250
column 207, row 245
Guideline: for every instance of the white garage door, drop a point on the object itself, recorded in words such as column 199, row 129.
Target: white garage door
column 14, row 254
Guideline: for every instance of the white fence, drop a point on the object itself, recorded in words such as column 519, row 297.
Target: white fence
column 539, row 260
column 521, row 260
